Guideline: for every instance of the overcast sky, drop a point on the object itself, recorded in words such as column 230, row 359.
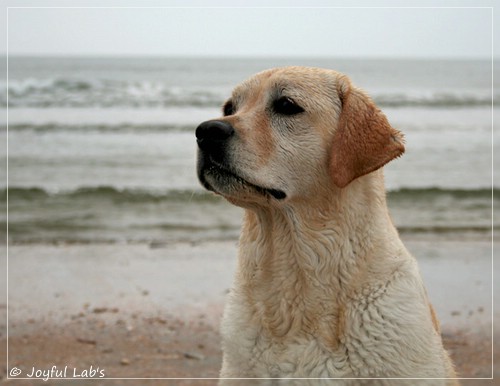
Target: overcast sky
column 341, row 32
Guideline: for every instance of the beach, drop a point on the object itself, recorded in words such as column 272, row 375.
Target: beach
column 153, row 311
column 119, row 261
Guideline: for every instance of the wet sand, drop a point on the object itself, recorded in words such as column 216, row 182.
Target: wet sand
column 139, row 311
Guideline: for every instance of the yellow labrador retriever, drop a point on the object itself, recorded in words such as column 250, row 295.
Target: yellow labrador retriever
column 324, row 287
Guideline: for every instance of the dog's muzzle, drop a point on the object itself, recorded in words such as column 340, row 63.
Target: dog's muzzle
column 212, row 138
column 214, row 169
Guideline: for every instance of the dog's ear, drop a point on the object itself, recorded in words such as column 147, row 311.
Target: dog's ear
column 364, row 140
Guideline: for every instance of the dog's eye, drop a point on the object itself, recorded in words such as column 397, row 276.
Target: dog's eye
column 228, row 108
column 287, row 106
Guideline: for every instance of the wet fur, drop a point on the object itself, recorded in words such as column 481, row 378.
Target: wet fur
column 324, row 287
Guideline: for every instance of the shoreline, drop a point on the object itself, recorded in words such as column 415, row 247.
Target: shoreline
column 144, row 311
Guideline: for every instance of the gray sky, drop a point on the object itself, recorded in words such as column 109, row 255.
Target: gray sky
column 341, row 32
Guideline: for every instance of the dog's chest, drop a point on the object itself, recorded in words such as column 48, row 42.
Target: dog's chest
column 284, row 343
column 317, row 341
column 298, row 357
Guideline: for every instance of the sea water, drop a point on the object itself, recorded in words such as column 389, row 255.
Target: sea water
column 103, row 149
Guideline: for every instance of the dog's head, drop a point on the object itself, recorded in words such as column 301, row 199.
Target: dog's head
column 287, row 133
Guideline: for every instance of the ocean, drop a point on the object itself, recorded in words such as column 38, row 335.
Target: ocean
column 102, row 150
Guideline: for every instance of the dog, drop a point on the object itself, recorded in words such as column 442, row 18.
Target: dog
column 324, row 287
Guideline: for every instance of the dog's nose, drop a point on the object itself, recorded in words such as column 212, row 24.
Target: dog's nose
column 212, row 134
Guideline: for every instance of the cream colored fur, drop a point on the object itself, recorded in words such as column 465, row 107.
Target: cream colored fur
column 324, row 287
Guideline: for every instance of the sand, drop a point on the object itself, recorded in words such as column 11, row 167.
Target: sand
column 142, row 311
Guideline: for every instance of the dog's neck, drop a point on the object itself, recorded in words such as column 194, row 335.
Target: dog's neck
column 283, row 250
column 346, row 226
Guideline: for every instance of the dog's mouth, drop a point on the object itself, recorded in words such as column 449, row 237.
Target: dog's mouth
column 220, row 179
